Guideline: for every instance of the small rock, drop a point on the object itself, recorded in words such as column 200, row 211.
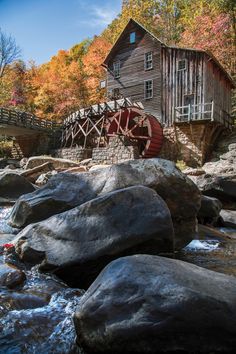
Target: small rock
column 210, row 210
column 44, row 178
column 10, row 276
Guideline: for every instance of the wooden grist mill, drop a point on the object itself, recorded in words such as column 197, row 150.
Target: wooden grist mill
column 96, row 126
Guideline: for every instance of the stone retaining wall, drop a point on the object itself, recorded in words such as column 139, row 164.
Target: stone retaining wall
column 74, row 154
column 118, row 150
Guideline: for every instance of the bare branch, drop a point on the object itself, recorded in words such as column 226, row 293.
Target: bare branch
column 9, row 51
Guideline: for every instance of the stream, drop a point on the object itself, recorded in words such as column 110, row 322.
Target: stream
column 37, row 317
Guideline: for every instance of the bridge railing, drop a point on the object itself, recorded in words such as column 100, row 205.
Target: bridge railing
column 26, row 120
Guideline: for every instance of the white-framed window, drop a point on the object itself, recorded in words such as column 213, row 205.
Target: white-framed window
column 103, row 84
column 132, row 37
column 148, row 62
column 148, row 89
column 116, row 69
column 182, row 64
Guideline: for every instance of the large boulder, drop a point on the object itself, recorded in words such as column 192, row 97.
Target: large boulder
column 150, row 304
column 12, row 186
column 65, row 191
column 80, row 242
column 62, row 192
column 36, row 161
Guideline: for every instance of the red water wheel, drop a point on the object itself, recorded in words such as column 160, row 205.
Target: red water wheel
column 138, row 126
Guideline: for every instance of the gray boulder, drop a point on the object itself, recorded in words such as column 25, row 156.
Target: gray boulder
column 65, row 191
column 229, row 217
column 210, row 210
column 146, row 304
column 36, row 161
column 62, row 192
column 12, row 186
column 81, row 241
column 222, row 187
column 10, row 276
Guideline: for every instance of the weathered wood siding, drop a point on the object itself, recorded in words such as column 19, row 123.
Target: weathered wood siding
column 132, row 72
column 176, row 84
column 217, row 88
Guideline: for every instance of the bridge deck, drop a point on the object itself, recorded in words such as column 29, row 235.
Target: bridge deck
column 15, row 123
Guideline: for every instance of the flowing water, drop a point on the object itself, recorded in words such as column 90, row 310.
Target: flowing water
column 37, row 317
column 214, row 249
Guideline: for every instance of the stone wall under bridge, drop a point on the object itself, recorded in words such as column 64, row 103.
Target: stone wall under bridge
column 30, row 145
column 191, row 142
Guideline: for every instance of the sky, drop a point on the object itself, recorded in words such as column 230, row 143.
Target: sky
column 42, row 27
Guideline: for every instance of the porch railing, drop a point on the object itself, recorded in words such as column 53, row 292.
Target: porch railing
column 203, row 111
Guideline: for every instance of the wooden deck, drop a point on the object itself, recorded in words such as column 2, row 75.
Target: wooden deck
column 203, row 112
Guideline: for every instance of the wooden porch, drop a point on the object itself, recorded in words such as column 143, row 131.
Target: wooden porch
column 203, row 112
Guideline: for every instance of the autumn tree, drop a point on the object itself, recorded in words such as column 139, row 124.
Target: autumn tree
column 94, row 72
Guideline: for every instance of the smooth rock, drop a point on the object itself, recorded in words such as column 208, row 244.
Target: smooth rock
column 56, row 162
column 10, row 276
column 210, row 209
column 150, row 304
column 65, row 191
column 33, row 173
column 76, row 169
column 12, row 186
column 229, row 217
column 44, row 178
column 222, row 187
column 97, row 167
column 62, row 192
column 80, row 242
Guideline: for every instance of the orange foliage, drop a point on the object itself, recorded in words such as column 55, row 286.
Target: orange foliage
column 93, row 69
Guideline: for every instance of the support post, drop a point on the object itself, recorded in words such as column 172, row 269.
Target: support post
column 212, row 111
column 189, row 113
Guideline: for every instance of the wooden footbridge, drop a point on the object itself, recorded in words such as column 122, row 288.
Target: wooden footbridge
column 31, row 134
column 18, row 123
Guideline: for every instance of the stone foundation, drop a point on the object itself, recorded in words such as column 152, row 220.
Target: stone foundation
column 118, row 150
column 30, row 145
column 74, row 154
column 192, row 143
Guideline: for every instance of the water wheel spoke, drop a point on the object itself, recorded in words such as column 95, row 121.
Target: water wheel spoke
column 139, row 124
column 139, row 137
